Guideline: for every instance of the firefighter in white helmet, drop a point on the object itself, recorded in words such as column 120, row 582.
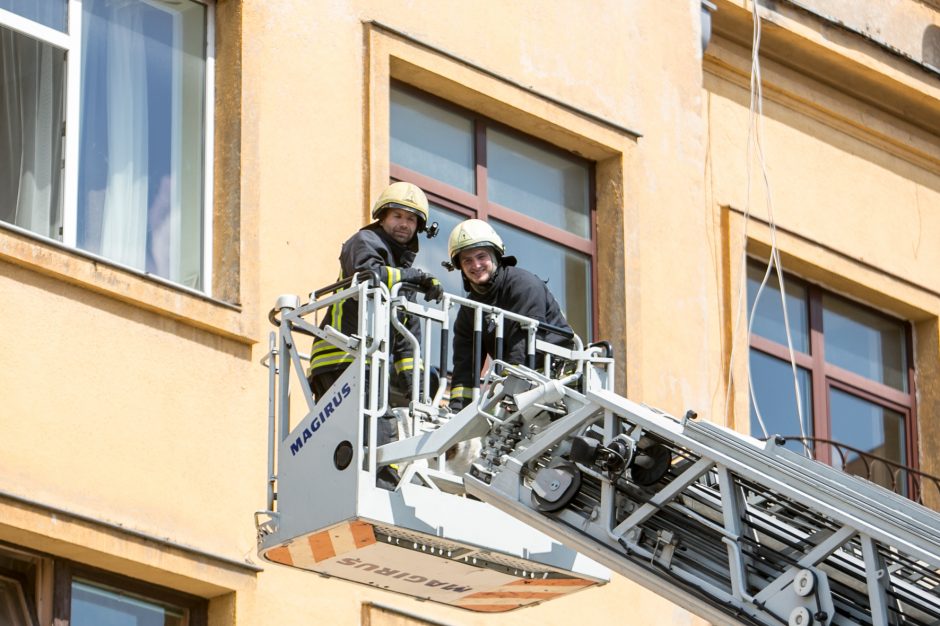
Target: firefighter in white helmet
column 491, row 277
column 388, row 247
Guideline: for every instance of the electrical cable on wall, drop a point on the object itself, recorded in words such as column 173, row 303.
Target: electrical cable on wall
column 755, row 145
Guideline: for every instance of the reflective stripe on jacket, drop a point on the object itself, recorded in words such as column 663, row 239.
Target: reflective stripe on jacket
column 369, row 249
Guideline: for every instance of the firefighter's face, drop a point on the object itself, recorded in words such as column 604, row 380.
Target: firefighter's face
column 399, row 224
column 478, row 265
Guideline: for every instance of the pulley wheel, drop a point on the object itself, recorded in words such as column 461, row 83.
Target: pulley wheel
column 650, row 465
column 555, row 486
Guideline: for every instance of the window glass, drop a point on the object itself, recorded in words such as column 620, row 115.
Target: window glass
column 32, row 79
column 51, row 13
column 567, row 273
column 429, row 258
column 432, row 140
column 93, row 605
column 521, row 175
column 141, row 135
column 768, row 318
column 772, row 381
column 864, row 342
column 543, row 184
column 433, row 252
column 870, row 428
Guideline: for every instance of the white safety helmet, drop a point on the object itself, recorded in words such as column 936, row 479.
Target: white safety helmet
column 473, row 234
column 406, row 196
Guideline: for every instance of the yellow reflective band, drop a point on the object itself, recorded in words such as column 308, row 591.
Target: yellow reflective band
column 322, row 345
column 404, row 365
column 392, row 276
column 331, row 359
column 461, row 392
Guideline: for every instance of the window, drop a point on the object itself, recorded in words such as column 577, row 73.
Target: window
column 538, row 197
column 20, row 580
column 854, row 372
column 104, row 129
column 36, row 589
column 100, row 605
column 98, row 598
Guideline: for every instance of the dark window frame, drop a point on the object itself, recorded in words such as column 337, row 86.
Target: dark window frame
column 28, row 579
column 478, row 205
column 66, row 572
column 825, row 376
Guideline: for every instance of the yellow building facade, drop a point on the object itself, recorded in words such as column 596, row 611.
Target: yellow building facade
column 133, row 406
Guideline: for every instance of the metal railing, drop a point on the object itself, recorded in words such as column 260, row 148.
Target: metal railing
column 381, row 311
column 921, row 487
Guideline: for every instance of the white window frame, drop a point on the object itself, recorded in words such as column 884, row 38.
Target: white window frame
column 70, row 42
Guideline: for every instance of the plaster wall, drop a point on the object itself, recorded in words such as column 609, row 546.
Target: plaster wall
column 115, row 409
column 829, row 179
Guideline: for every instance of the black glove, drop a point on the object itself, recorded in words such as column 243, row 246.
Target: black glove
column 415, row 276
column 456, row 405
column 433, row 290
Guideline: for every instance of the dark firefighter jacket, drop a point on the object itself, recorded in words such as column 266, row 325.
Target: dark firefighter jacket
column 369, row 249
column 518, row 291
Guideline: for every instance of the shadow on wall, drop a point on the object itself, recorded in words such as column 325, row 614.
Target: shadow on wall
column 931, row 46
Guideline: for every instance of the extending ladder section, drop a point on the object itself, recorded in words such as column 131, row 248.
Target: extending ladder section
column 737, row 530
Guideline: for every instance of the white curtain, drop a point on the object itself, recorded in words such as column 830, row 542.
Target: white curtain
column 122, row 85
column 31, row 110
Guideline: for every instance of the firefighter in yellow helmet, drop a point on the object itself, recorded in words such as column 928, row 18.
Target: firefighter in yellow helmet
column 388, row 247
column 491, row 277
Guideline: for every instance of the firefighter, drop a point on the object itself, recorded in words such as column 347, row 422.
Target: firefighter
column 388, row 247
column 492, row 278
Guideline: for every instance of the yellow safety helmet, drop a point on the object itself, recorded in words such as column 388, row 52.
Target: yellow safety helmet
column 473, row 234
column 402, row 195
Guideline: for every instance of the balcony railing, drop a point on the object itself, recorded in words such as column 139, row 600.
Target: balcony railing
column 916, row 485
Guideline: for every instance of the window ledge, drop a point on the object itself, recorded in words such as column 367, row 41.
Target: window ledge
column 138, row 289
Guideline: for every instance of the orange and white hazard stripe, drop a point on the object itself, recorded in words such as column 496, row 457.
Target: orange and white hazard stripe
column 521, row 593
column 308, row 550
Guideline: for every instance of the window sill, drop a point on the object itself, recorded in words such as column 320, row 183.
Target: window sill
column 126, row 285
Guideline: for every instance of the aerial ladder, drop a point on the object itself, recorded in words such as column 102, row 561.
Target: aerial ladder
column 571, row 479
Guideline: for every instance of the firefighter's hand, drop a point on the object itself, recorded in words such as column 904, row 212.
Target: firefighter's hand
column 456, row 405
column 433, row 290
column 415, row 276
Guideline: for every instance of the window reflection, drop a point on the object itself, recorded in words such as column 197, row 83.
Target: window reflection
column 772, row 380
column 870, row 428
column 432, row 140
column 864, row 342
column 544, row 184
column 522, row 175
column 93, row 605
column 51, row 13
column 430, row 256
column 768, row 318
